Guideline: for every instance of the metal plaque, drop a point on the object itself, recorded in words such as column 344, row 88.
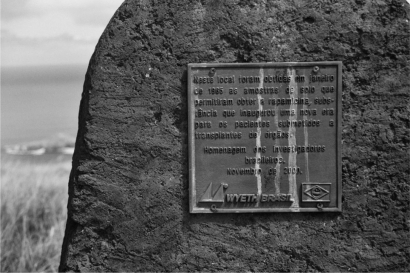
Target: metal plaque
column 265, row 137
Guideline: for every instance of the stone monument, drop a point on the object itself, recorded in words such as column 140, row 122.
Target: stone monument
column 137, row 204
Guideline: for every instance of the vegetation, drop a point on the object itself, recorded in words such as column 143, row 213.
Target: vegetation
column 33, row 212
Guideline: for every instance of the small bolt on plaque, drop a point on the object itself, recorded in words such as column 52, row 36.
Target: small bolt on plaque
column 212, row 72
column 213, row 208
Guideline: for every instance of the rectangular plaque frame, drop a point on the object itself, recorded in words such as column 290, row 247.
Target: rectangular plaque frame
column 208, row 191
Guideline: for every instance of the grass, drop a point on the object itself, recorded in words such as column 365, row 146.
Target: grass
column 33, row 212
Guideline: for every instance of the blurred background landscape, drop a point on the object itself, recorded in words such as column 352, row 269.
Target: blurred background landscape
column 45, row 49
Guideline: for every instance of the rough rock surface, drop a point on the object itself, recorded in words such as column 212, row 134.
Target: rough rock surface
column 128, row 204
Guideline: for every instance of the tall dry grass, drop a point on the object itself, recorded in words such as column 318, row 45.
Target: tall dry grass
column 33, row 213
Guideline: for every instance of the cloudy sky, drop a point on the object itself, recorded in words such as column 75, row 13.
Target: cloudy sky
column 50, row 32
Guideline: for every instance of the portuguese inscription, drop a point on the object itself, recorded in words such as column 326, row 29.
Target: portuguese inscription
column 264, row 137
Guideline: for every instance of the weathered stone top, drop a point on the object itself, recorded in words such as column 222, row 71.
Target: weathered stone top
column 128, row 204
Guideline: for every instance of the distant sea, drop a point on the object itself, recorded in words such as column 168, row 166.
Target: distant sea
column 39, row 107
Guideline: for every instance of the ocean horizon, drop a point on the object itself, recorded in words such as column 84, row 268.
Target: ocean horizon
column 40, row 104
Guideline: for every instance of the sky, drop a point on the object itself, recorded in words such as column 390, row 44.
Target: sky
column 46, row 46
column 52, row 32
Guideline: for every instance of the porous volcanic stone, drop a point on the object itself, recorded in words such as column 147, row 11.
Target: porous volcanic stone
column 128, row 189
